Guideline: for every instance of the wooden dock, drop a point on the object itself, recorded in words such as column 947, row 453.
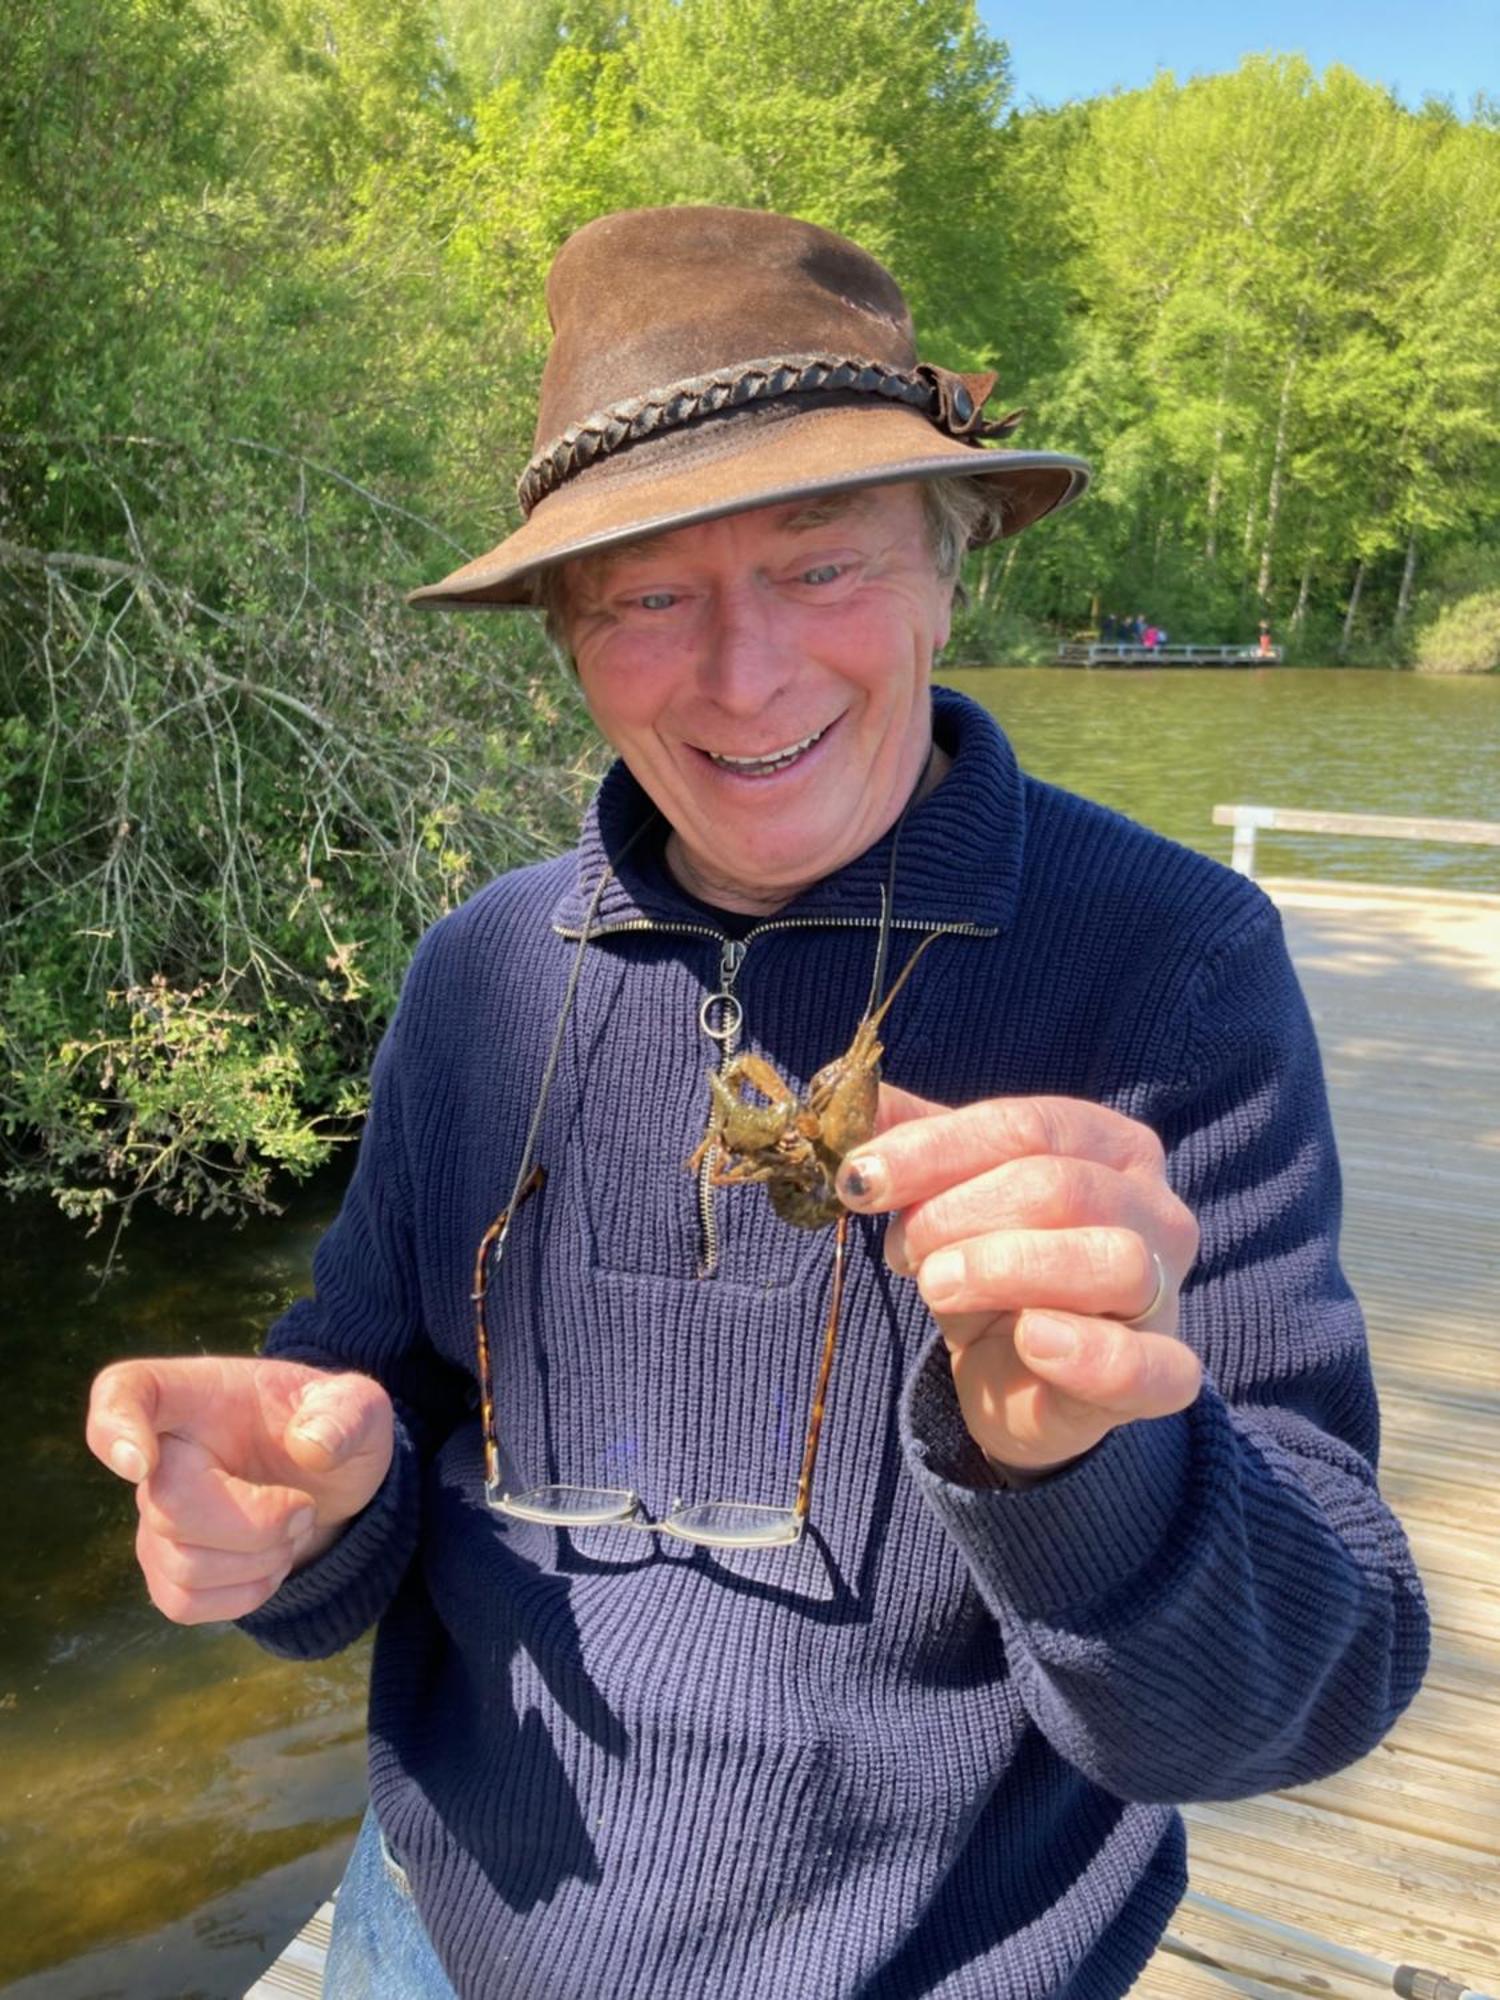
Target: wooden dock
column 1398, row 1857
column 1097, row 653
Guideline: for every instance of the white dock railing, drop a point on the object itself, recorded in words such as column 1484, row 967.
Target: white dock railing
column 1247, row 821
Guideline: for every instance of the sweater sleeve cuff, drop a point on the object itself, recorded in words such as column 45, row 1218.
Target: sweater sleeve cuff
column 1071, row 1541
column 327, row 1605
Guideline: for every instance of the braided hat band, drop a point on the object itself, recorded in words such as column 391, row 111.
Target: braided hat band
column 952, row 402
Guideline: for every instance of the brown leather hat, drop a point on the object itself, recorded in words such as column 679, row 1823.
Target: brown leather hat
column 708, row 360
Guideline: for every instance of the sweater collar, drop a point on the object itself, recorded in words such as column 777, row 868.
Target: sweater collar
column 959, row 861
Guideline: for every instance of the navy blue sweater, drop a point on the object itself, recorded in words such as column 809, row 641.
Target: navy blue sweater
column 935, row 1748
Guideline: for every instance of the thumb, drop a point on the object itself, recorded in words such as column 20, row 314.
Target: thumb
column 337, row 1420
column 125, row 1415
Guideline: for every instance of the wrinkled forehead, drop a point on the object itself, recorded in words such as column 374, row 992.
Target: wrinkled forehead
column 798, row 517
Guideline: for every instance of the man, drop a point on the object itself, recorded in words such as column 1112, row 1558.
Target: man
column 1094, row 1528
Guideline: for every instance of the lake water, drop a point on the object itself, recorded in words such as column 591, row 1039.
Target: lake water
column 173, row 1802
column 1167, row 746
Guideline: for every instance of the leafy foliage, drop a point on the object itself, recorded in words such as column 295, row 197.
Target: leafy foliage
column 236, row 782
column 1464, row 639
column 1286, row 355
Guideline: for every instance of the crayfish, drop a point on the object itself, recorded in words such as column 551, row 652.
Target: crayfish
column 796, row 1147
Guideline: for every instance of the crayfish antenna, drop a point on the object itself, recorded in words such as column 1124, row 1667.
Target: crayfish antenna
column 905, row 973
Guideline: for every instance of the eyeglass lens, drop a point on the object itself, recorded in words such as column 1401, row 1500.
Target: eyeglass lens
column 722, row 1524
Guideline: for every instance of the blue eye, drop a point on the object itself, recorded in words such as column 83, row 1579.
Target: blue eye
column 824, row 573
column 656, row 600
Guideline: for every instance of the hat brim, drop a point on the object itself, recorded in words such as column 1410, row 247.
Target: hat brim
column 704, row 476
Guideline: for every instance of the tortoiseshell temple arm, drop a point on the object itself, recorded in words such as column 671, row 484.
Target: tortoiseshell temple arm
column 490, row 1242
column 803, row 1501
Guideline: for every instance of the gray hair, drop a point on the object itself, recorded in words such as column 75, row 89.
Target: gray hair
column 960, row 515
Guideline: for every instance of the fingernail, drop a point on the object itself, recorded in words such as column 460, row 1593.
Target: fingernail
column 1045, row 1338
column 128, row 1460
column 323, row 1432
column 941, row 1276
column 863, row 1179
column 300, row 1522
column 896, row 1254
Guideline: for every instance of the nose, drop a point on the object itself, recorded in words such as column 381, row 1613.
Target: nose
column 746, row 660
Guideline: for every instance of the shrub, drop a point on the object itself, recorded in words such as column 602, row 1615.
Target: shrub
column 1464, row 639
column 237, row 780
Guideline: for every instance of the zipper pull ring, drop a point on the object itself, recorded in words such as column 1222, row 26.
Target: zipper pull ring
column 721, row 1016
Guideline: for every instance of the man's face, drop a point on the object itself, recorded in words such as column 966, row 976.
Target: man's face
column 765, row 678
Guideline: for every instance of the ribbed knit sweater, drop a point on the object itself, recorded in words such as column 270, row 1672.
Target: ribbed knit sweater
column 934, row 1749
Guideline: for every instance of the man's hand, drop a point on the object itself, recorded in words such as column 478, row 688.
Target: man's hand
column 1033, row 1226
column 243, row 1471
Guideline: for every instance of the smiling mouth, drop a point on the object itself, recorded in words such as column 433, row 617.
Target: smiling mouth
column 772, row 762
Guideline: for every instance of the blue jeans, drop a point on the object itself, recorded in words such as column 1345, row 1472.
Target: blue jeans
column 380, row 1949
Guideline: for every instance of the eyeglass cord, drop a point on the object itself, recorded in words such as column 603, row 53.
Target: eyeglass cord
column 549, row 1068
column 888, row 901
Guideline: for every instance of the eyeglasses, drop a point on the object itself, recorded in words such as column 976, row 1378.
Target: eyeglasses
column 713, row 1524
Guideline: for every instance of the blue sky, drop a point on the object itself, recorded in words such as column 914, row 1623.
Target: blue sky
column 1450, row 48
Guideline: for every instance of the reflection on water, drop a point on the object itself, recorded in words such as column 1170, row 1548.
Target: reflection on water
column 174, row 1802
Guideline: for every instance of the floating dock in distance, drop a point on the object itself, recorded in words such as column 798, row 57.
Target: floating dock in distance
column 1091, row 653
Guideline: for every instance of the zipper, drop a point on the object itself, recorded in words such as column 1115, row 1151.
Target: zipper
column 775, row 924
column 726, row 1030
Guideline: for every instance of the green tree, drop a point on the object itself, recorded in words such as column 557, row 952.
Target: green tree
column 270, row 283
column 1274, row 262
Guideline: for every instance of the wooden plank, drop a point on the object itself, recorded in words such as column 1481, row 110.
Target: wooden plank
column 1459, row 1432
column 1394, row 1907
column 1464, row 1612
column 1400, row 1856
column 1398, row 1792
column 1444, row 1550
column 1306, row 1831
column 1251, row 1966
column 1223, row 1939
column 299, row 1970
column 1178, row 1972
column 1429, row 1729
column 1460, row 1669
column 1391, row 826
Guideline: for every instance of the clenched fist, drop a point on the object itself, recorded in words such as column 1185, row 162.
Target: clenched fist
column 244, row 1469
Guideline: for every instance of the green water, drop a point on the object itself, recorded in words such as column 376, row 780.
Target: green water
column 1167, row 746
column 173, row 1802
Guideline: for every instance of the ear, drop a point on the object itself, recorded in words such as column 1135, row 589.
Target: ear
column 944, row 626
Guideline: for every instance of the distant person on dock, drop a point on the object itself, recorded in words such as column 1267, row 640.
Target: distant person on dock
column 1094, row 1530
column 1265, row 646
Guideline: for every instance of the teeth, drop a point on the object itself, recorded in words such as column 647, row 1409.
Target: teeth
column 773, row 761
